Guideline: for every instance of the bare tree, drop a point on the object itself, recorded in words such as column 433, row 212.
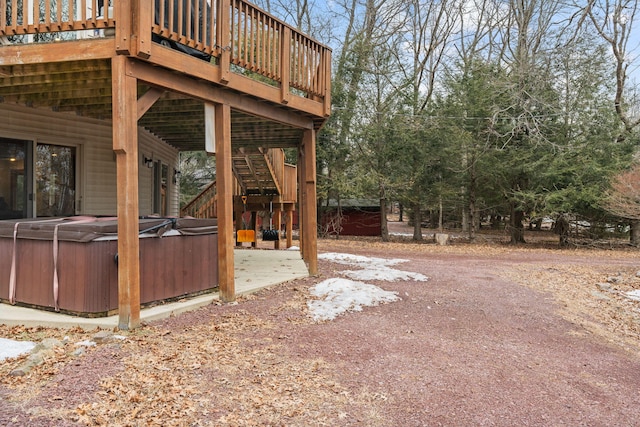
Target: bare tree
column 308, row 16
column 614, row 21
column 428, row 30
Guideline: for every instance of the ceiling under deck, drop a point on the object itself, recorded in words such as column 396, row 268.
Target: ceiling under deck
column 84, row 88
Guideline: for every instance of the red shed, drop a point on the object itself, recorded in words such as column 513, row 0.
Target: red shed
column 356, row 217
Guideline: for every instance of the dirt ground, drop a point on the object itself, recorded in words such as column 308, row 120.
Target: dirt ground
column 498, row 336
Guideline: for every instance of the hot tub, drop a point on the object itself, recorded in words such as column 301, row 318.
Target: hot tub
column 178, row 257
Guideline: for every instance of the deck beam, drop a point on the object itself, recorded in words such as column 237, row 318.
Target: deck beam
column 201, row 89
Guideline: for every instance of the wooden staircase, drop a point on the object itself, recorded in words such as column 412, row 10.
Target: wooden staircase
column 261, row 175
column 256, row 173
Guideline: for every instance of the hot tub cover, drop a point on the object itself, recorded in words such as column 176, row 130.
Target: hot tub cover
column 75, row 229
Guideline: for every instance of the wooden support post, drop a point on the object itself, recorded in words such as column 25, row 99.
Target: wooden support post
column 309, row 211
column 224, row 184
column 209, row 128
column 238, row 210
column 289, row 227
column 301, row 196
column 125, row 145
column 253, row 224
column 277, row 219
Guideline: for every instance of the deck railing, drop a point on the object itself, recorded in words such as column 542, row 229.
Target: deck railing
column 275, row 161
column 203, row 205
column 290, row 187
column 238, row 36
column 31, row 17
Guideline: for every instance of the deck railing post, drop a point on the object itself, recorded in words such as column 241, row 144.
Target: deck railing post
column 285, row 64
column 223, row 38
column 123, row 12
column 327, row 82
column 142, row 28
column 3, row 15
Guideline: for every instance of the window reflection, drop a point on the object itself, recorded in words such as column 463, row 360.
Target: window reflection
column 56, row 180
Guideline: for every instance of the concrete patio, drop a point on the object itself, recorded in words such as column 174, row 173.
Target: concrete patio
column 255, row 269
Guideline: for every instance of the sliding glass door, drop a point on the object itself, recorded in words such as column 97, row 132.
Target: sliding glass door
column 53, row 167
column 13, row 180
column 55, row 180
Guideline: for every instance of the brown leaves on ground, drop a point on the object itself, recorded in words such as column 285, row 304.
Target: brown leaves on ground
column 209, row 373
column 591, row 296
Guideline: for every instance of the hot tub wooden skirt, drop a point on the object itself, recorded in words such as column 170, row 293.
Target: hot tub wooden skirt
column 171, row 267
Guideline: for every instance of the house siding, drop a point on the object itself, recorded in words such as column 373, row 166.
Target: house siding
column 97, row 167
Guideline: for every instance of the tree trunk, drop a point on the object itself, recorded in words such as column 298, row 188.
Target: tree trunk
column 417, row 222
column 634, row 233
column 440, row 216
column 384, row 229
column 472, row 204
column 400, row 207
column 517, row 228
column 562, row 230
column 339, row 220
column 538, row 224
column 496, row 221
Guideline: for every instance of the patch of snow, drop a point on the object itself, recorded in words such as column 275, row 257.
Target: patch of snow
column 12, row 348
column 85, row 343
column 360, row 261
column 294, row 248
column 342, row 295
column 633, row 295
column 373, row 268
column 387, row 274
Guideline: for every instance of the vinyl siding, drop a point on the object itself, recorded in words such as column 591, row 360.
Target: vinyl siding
column 97, row 171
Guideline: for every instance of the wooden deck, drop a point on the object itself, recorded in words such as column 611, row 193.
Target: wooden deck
column 51, row 60
column 220, row 75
